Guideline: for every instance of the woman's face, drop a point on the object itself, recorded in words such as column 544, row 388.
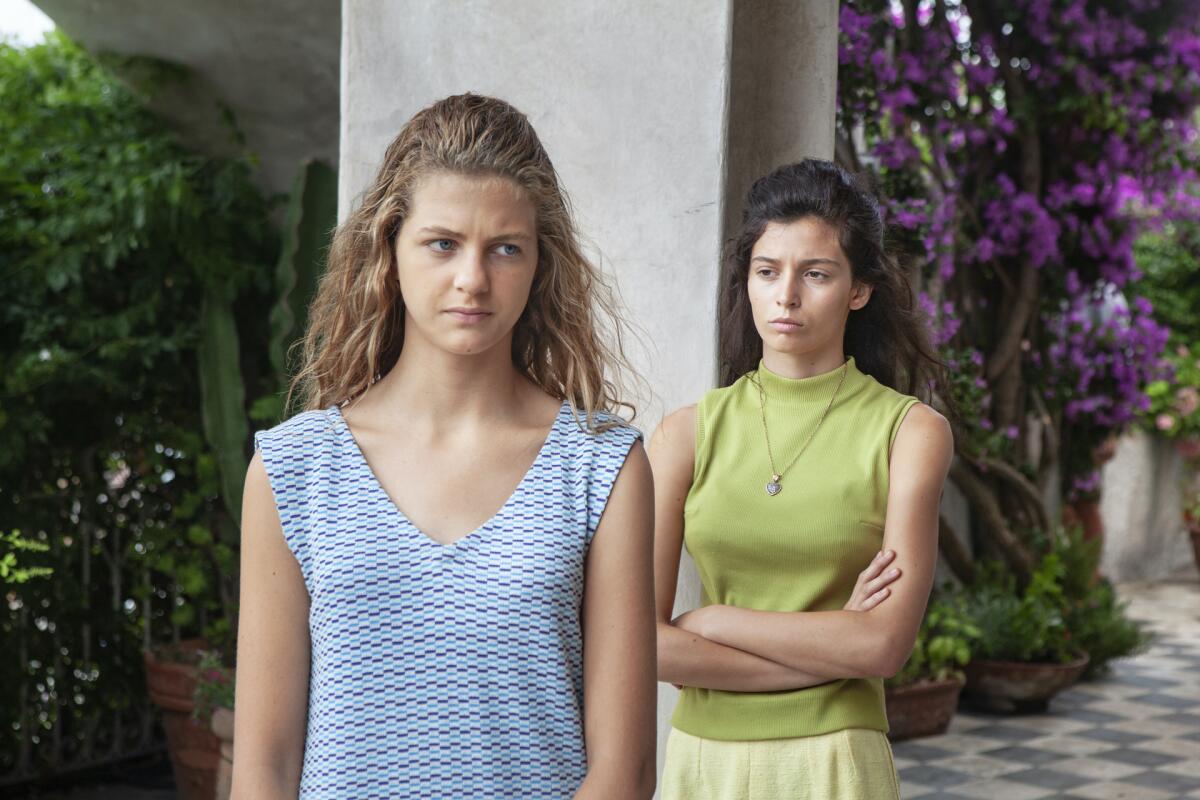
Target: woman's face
column 801, row 288
column 466, row 256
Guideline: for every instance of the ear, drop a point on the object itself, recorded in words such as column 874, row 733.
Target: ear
column 859, row 295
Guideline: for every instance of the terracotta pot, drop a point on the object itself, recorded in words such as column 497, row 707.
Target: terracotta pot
column 1194, row 532
column 222, row 726
column 1086, row 514
column 1188, row 448
column 924, row 708
column 1018, row 686
column 193, row 748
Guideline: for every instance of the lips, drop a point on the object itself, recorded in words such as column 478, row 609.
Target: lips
column 785, row 325
column 468, row 315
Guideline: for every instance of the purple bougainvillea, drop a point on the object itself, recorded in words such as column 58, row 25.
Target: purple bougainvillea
column 1020, row 148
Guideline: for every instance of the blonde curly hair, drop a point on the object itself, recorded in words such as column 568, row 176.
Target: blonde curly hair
column 356, row 321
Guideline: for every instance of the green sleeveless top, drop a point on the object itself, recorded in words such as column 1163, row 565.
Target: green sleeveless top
column 800, row 550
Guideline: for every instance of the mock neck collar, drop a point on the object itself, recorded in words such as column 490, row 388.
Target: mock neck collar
column 819, row 386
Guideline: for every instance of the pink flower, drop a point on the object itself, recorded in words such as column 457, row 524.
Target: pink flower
column 1187, row 400
column 1164, row 422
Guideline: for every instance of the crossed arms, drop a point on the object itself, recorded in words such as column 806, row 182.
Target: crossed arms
column 745, row 650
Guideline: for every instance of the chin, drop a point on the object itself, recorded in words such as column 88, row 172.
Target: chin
column 470, row 345
column 787, row 342
column 801, row 343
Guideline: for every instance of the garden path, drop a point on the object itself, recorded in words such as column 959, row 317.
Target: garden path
column 1133, row 735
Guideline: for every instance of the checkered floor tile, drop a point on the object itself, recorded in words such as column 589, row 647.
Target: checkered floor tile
column 1133, row 735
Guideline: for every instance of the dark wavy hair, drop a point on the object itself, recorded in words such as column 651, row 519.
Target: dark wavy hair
column 888, row 337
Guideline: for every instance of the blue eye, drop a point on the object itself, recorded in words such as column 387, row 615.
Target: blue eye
column 442, row 245
column 509, row 249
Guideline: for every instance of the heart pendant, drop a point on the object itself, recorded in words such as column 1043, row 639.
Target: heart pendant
column 773, row 488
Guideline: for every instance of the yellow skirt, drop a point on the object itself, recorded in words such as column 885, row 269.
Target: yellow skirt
column 852, row 764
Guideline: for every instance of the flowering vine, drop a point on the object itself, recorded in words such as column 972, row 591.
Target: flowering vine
column 1021, row 147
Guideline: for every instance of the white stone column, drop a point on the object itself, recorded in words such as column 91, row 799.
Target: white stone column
column 1142, row 508
column 633, row 102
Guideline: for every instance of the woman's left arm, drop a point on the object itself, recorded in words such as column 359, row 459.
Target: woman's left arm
column 619, row 666
column 860, row 644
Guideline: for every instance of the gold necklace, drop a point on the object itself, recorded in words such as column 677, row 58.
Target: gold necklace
column 774, row 486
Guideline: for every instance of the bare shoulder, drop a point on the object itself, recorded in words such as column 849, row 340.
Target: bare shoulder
column 258, row 486
column 924, row 436
column 636, row 469
column 926, row 419
column 260, row 518
column 630, row 505
column 676, row 434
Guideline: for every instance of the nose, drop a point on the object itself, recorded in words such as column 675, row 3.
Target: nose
column 788, row 294
column 471, row 275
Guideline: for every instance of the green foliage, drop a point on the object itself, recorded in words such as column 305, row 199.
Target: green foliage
column 1174, row 410
column 1170, row 279
column 11, row 572
column 972, row 398
column 1100, row 626
column 111, row 235
column 311, row 215
column 214, row 686
column 1095, row 618
column 944, row 644
column 1021, row 624
column 1064, row 610
column 223, row 394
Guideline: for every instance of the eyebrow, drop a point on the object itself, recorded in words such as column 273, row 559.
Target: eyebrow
column 805, row 263
column 437, row 230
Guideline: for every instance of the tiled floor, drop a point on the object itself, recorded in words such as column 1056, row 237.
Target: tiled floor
column 1134, row 735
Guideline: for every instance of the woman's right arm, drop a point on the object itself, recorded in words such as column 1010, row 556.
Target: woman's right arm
column 684, row 658
column 272, row 655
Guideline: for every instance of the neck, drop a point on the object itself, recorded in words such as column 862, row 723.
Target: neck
column 438, row 388
column 803, row 365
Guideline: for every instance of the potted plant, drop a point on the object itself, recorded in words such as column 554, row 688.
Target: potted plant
column 213, row 698
column 1092, row 612
column 172, row 673
column 921, row 698
column 1191, row 519
column 202, row 618
column 1025, row 654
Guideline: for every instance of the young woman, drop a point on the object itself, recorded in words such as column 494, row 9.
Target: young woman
column 812, row 467
column 447, row 558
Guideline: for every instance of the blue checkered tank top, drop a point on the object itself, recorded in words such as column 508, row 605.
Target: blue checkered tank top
column 438, row 670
